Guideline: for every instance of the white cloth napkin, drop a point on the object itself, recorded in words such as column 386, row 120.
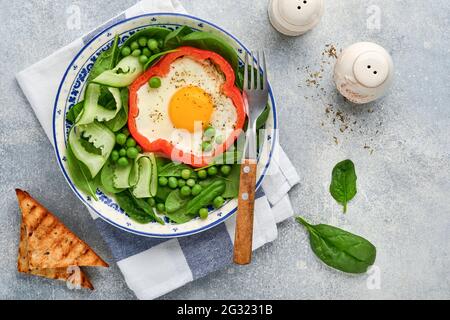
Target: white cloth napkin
column 153, row 267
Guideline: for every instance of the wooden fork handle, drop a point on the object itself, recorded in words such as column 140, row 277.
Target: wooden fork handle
column 244, row 221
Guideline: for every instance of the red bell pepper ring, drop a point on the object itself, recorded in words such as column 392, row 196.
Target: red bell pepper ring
column 162, row 68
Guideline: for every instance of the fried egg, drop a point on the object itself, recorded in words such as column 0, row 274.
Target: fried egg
column 188, row 101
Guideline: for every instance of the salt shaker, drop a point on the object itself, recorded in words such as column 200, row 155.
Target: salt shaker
column 295, row 17
column 363, row 72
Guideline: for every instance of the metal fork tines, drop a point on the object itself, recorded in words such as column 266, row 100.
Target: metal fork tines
column 256, row 93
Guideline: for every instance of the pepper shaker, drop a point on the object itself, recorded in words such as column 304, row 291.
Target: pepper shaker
column 295, row 17
column 363, row 72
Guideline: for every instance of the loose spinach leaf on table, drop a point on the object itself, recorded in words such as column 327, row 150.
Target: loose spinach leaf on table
column 340, row 249
column 127, row 202
column 173, row 40
column 211, row 42
column 80, row 174
column 73, row 113
column 343, row 182
column 106, row 60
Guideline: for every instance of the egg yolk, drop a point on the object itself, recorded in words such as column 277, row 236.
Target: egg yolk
column 189, row 106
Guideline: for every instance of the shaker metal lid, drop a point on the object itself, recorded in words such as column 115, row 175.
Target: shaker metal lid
column 295, row 17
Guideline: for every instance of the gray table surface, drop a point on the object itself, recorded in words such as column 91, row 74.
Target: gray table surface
column 400, row 146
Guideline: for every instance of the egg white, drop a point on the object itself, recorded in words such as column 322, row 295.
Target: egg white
column 153, row 120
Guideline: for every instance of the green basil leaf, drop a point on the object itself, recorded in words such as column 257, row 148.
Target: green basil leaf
column 340, row 249
column 173, row 39
column 211, row 42
column 80, row 174
column 73, row 113
column 343, row 182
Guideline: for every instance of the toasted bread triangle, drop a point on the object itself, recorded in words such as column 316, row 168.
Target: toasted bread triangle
column 53, row 273
column 50, row 244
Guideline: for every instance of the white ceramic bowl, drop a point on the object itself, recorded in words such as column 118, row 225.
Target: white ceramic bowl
column 71, row 90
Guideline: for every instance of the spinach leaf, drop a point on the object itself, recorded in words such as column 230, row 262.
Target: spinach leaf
column 206, row 196
column 161, row 162
column 173, row 39
column 155, row 58
column 144, row 205
column 340, row 249
column 128, row 204
column 211, row 42
column 156, row 33
column 107, row 178
column 343, row 182
column 121, row 118
column 172, row 169
column 162, row 193
column 73, row 113
column 262, row 119
column 80, row 174
column 232, row 182
column 106, row 60
column 179, row 216
column 175, row 201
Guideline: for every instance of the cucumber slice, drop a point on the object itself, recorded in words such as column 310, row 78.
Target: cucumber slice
column 100, row 137
column 142, row 187
column 107, row 177
column 121, row 176
column 147, row 183
column 126, row 71
column 92, row 111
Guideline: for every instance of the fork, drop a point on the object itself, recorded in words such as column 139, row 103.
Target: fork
column 255, row 94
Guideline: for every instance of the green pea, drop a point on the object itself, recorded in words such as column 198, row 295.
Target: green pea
column 203, row 213
column 152, row 44
column 219, row 139
column 122, row 152
column 196, row 189
column 225, row 169
column 131, row 142
column 125, row 131
column 181, row 183
column 125, row 51
column 123, row 162
column 146, row 52
column 218, row 202
column 173, row 183
column 202, row 174
column 136, row 53
column 161, row 207
column 114, row 155
column 162, row 181
column 143, row 59
column 134, row 45
column 209, row 132
column 132, row 153
column 212, row 171
column 151, row 202
column 185, row 191
column 142, row 41
column 154, row 82
column 206, row 146
column 190, row 182
column 121, row 139
column 185, row 173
